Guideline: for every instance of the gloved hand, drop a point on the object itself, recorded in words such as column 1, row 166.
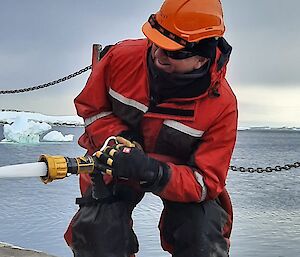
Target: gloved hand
column 125, row 160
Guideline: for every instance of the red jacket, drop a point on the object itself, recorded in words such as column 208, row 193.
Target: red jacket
column 195, row 136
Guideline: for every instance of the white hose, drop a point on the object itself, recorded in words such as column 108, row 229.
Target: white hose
column 35, row 169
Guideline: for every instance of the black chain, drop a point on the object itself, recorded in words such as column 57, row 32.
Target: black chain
column 22, row 90
column 232, row 167
column 267, row 169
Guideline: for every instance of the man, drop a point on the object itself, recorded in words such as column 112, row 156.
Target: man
column 167, row 99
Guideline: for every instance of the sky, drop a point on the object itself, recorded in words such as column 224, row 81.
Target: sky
column 41, row 41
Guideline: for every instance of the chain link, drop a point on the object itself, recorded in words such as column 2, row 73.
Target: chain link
column 22, row 90
column 267, row 169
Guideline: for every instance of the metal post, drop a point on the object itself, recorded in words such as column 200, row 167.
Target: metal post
column 96, row 54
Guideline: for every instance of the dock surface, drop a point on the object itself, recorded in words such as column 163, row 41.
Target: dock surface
column 7, row 250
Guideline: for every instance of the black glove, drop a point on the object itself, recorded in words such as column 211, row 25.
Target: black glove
column 100, row 191
column 133, row 136
column 126, row 161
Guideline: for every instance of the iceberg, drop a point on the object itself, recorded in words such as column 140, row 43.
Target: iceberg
column 56, row 136
column 24, row 131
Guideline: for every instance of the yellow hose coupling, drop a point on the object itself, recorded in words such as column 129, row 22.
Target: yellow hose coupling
column 57, row 167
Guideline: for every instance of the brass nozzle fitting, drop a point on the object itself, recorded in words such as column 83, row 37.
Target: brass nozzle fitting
column 57, row 167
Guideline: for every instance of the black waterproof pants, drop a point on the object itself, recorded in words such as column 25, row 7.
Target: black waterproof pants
column 194, row 229
column 104, row 229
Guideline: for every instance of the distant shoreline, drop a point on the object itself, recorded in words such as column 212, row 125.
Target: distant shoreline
column 64, row 124
column 8, row 117
column 250, row 129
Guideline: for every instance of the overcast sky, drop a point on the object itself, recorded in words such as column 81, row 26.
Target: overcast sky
column 41, row 41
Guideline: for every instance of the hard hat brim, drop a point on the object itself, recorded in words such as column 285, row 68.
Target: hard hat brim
column 159, row 39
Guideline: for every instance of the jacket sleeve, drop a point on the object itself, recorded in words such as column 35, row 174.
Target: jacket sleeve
column 93, row 105
column 205, row 178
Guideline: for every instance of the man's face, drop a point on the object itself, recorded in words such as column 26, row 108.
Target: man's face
column 170, row 65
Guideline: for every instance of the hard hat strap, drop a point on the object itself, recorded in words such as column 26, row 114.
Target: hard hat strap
column 154, row 24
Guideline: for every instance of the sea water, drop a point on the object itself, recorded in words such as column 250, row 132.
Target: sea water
column 266, row 206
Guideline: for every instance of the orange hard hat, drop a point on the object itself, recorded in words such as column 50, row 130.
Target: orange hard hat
column 182, row 23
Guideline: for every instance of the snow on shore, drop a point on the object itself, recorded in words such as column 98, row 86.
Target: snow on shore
column 28, row 128
column 10, row 116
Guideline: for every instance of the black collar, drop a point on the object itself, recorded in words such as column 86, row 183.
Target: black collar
column 165, row 85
